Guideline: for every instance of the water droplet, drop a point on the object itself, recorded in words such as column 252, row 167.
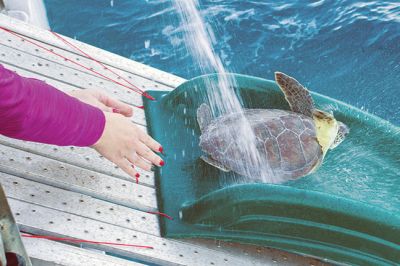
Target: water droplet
column 147, row 44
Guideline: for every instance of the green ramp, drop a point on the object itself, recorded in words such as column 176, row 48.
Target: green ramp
column 346, row 212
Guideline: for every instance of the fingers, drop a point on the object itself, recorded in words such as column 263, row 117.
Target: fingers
column 139, row 162
column 150, row 142
column 103, row 107
column 127, row 167
column 101, row 100
column 145, row 152
column 116, row 106
column 126, row 145
column 91, row 97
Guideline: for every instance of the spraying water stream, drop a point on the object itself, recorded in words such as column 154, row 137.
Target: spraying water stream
column 199, row 38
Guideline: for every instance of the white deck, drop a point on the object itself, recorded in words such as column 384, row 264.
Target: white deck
column 74, row 192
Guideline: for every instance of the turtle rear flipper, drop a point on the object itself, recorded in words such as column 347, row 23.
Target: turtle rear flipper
column 214, row 163
column 204, row 116
column 298, row 97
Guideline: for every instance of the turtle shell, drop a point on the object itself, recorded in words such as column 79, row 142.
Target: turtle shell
column 286, row 141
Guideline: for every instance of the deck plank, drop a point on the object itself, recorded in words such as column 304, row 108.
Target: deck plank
column 165, row 252
column 42, row 53
column 103, row 56
column 50, row 253
column 51, row 172
column 79, row 204
column 82, row 157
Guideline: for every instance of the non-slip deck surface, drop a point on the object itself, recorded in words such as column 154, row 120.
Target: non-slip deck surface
column 74, row 192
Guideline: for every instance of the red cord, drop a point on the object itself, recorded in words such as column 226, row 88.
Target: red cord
column 133, row 88
column 98, row 62
column 162, row 214
column 83, row 241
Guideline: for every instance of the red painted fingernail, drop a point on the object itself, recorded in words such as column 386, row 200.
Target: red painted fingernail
column 162, row 163
column 137, row 178
column 115, row 111
column 161, row 149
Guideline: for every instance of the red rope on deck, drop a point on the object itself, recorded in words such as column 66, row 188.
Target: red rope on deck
column 101, row 64
column 162, row 214
column 131, row 87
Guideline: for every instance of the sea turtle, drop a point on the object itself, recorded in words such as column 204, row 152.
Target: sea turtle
column 293, row 143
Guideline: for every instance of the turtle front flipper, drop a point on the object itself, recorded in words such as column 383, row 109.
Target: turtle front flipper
column 204, row 116
column 298, row 97
column 214, row 163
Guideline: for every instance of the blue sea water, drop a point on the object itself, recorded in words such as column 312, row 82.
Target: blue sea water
column 346, row 49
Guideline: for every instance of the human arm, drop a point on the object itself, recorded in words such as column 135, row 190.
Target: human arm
column 32, row 110
column 35, row 111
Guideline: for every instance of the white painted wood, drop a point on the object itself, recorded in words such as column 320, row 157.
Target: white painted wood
column 101, row 55
column 164, row 252
column 79, row 156
column 45, row 253
column 43, row 53
column 79, row 204
column 62, row 175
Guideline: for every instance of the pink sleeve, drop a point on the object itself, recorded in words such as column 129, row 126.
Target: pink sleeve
column 32, row 110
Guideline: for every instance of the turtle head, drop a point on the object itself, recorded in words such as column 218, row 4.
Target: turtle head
column 326, row 128
column 343, row 131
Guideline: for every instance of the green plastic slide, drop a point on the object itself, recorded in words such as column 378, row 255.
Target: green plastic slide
column 346, row 212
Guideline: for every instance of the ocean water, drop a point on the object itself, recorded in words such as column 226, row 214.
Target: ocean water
column 346, row 49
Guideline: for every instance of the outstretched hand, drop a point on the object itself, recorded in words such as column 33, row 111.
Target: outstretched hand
column 102, row 101
column 122, row 142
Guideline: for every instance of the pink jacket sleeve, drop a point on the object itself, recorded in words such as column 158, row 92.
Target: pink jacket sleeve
column 32, row 110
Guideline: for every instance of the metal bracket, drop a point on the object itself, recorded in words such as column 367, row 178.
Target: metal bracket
column 12, row 251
